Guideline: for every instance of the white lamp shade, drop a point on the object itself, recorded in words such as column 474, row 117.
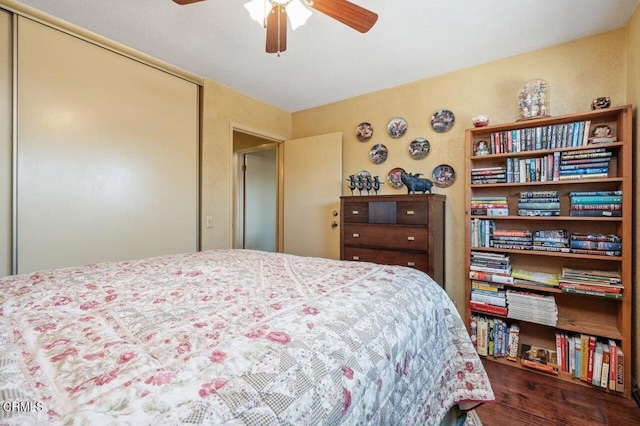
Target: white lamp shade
column 297, row 13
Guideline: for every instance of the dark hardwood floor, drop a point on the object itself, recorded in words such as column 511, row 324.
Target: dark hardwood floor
column 528, row 398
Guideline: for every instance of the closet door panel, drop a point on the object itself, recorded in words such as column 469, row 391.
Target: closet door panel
column 6, row 53
column 107, row 154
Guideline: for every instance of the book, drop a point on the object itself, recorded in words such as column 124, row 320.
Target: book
column 540, row 277
column 604, row 376
column 514, row 342
column 483, row 330
column 578, row 357
column 545, row 368
column 619, row 370
column 597, row 364
column 613, row 356
column 487, row 308
column 584, row 359
column 596, row 199
column 539, row 358
column 596, row 213
column 591, row 357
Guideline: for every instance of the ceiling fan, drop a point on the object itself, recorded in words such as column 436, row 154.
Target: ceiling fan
column 352, row 15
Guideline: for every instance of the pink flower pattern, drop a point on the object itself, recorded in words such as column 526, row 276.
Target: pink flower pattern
column 198, row 333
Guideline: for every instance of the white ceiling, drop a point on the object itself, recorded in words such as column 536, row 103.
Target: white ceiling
column 327, row 61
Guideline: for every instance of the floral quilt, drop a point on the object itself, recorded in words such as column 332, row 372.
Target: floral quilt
column 232, row 337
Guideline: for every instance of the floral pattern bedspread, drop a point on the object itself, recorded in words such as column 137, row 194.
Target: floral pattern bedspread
column 232, row 337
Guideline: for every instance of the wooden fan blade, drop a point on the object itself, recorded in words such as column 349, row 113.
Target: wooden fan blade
column 183, row 2
column 277, row 29
column 352, row 15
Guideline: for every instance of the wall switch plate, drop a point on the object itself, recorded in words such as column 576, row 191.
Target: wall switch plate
column 209, row 221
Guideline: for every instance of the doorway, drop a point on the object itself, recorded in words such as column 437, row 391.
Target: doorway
column 256, row 218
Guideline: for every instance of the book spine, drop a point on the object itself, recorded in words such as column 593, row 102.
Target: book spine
column 488, row 309
column 619, row 370
column 613, row 372
column 595, row 199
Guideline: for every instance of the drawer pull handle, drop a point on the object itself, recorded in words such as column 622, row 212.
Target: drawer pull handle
column 411, row 264
column 410, row 212
column 356, row 257
column 356, row 235
column 355, row 212
column 411, row 238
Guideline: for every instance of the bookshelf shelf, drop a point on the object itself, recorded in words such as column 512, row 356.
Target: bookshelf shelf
column 542, row 159
column 553, row 218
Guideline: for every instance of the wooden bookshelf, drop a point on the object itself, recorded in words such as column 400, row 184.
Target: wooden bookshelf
column 605, row 318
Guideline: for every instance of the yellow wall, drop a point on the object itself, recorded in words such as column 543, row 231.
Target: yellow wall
column 576, row 71
column 223, row 109
column 633, row 97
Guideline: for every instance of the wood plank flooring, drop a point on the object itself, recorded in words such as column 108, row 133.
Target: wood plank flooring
column 527, row 398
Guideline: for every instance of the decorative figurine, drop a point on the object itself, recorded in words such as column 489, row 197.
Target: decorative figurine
column 533, row 100
column 360, row 183
column 352, row 183
column 414, row 182
column 601, row 102
column 367, row 184
column 376, row 184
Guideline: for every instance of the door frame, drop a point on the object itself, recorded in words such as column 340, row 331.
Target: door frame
column 272, row 140
column 241, row 184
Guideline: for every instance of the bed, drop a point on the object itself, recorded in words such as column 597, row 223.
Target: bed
column 233, row 337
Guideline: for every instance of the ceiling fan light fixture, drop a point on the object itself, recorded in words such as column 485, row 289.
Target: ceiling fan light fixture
column 298, row 14
column 259, row 10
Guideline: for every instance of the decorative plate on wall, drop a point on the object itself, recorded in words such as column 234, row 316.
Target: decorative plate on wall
column 378, row 154
column 442, row 120
column 419, row 148
column 393, row 178
column 364, row 132
column 365, row 174
column 443, row 175
column 397, row 127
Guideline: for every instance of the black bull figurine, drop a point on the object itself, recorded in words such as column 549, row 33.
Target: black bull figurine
column 415, row 183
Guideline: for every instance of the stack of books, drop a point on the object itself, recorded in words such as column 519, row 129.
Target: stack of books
column 539, row 203
column 586, row 163
column 532, row 307
column 591, row 282
column 596, row 203
column 490, row 206
column 511, row 239
column 551, row 240
column 488, row 294
column 488, row 273
column 533, row 278
column 596, row 244
column 483, row 175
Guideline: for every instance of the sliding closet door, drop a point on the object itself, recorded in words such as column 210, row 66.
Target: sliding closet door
column 107, row 154
column 5, row 142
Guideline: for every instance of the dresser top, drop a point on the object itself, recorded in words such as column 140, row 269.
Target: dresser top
column 404, row 197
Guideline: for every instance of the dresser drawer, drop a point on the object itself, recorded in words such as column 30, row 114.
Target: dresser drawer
column 412, row 213
column 355, row 212
column 419, row 261
column 390, row 236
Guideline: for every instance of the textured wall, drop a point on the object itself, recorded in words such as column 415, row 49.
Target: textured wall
column 577, row 72
column 223, row 109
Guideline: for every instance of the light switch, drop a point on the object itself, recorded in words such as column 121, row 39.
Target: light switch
column 209, row 222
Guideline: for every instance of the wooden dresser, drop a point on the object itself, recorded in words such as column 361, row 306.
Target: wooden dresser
column 405, row 230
